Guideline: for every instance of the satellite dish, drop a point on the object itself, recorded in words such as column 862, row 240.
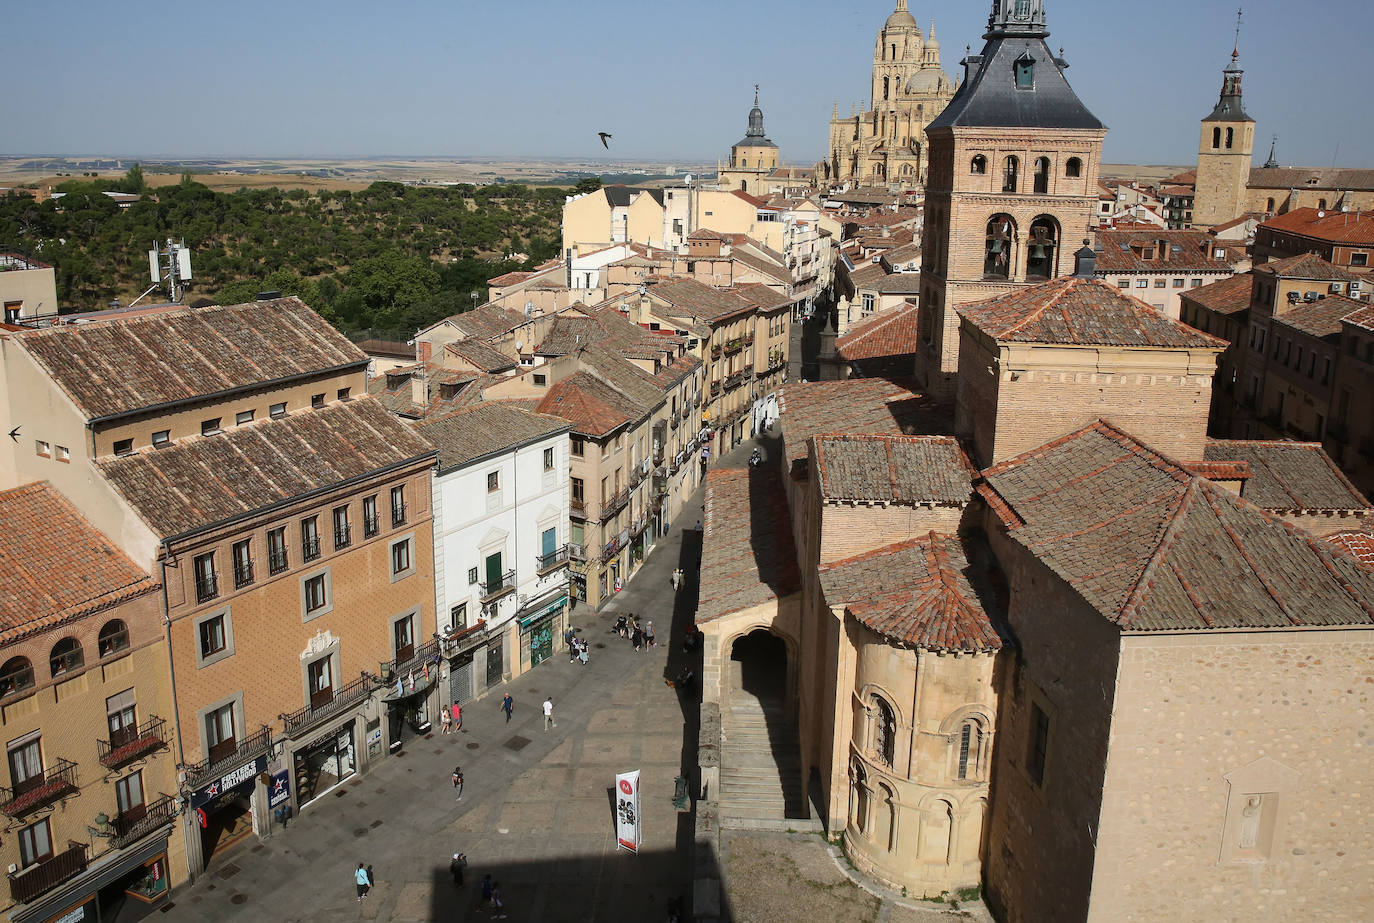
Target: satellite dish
column 519, row 345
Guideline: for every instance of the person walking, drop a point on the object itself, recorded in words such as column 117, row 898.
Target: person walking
column 548, row 714
column 497, row 905
column 582, row 652
column 361, row 880
column 445, row 722
column 486, row 892
column 455, row 868
column 507, row 705
column 458, row 783
column 456, row 712
column 649, row 634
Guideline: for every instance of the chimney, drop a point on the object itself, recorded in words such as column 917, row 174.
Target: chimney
column 419, row 387
column 1084, row 261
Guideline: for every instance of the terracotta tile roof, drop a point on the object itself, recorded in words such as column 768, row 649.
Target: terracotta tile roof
column 1289, row 476
column 867, row 275
column 198, row 482
column 920, row 592
column 487, row 321
column 1333, row 226
column 1229, row 296
column 899, row 283
column 566, row 335
column 893, row 469
column 1320, row 318
column 1359, row 544
column 1080, row 312
column 392, row 348
column 1184, row 251
column 1364, row 318
column 480, row 355
column 766, row 298
column 115, row 367
column 891, row 333
column 592, row 406
column 863, row 405
column 397, row 400
column 762, row 264
column 747, row 556
column 903, row 254
column 1153, row 547
column 701, row 300
column 55, row 566
column 1307, row 266
column 509, row 278
column 487, row 429
column 752, row 200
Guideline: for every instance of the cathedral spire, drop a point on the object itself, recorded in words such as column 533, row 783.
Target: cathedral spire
column 755, row 117
column 1272, row 162
column 1231, row 104
column 1017, row 18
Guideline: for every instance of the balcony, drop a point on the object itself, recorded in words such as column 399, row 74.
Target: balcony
column 639, row 525
column 371, row 525
column 739, row 378
column 207, row 587
column 398, row 515
column 315, row 713
column 577, row 552
column 495, row 589
column 636, row 475
column 715, row 388
column 134, row 826
column 614, row 504
column 243, row 574
column 256, row 744
column 276, row 561
column 578, row 505
column 716, row 352
column 138, row 742
column 611, row 550
column 30, row 795
column 310, row 548
column 43, row 877
column 343, row 536
column 555, row 559
column 415, row 659
column 464, row 639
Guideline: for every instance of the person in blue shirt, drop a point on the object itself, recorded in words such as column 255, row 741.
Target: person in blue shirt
column 363, row 881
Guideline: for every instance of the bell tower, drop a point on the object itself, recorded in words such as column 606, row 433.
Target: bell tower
column 1225, row 151
column 1012, row 186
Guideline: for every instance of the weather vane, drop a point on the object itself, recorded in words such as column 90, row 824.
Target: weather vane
column 1235, row 50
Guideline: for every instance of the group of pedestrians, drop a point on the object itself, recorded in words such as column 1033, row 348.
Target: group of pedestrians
column 491, row 890
column 627, row 626
column 577, row 648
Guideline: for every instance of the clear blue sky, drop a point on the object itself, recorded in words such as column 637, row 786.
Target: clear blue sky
column 669, row 80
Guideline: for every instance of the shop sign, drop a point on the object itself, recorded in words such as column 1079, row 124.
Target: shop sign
column 627, row 810
column 280, row 789
column 374, row 737
column 550, row 609
column 229, row 781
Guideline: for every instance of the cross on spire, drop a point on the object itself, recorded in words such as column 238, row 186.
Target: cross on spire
column 1235, row 50
column 756, row 96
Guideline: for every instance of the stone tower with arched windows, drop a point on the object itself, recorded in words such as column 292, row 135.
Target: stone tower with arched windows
column 1012, row 186
column 1225, row 150
column 885, row 144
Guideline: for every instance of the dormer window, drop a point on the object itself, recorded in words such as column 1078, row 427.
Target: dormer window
column 1025, row 69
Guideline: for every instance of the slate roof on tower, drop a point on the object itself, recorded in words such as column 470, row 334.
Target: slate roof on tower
column 1081, row 312
column 1153, row 547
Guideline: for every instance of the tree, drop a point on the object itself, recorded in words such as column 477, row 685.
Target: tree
column 134, row 181
column 590, row 184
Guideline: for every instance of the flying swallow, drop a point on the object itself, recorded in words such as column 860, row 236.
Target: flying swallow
column 605, row 137
column 14, row 434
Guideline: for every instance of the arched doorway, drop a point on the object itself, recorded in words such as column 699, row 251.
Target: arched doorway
column 758, row 666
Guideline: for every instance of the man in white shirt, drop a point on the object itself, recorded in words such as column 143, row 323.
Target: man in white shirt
column 548, row 714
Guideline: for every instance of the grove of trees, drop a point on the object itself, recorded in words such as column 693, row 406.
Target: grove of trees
column 389, row 257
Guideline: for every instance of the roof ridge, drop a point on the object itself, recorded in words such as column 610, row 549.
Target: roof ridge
column 1063, row 290
column 1167, row 536
column 891, row 548
column 1250, row 561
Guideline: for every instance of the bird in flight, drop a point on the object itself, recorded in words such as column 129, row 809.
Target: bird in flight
column 14, row 434
column 605, row 137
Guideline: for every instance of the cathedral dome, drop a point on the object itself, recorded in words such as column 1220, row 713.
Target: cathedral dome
column 928, row 80
column 901, row 18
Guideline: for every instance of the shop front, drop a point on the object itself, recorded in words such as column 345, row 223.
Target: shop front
column 407, row 699
column 325, row 762
column 223, row 809
column 125, row 885
column 541, row 627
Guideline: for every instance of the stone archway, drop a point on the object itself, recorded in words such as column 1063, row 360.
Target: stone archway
column 758, row 667
column 761, row 775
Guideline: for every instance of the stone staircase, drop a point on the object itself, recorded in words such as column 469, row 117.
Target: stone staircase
column 761, row 785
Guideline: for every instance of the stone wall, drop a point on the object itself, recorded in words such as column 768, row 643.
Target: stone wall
column 1202, row 720
column 849, row 529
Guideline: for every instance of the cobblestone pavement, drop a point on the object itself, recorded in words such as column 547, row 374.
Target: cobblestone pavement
column 536, row 811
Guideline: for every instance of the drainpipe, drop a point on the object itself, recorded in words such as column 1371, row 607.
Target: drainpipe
column 171, row 662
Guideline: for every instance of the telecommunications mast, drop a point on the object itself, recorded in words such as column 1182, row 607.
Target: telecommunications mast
column 170, row 263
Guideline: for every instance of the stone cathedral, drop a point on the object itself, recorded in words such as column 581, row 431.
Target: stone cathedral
column 885, row 145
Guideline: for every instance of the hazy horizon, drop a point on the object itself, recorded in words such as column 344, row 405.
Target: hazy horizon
column 446, row 82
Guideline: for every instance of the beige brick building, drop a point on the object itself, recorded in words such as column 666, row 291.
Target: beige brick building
column 89, row 796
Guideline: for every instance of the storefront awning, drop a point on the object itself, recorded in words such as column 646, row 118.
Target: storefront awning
column 544, row 610
column 89, row 882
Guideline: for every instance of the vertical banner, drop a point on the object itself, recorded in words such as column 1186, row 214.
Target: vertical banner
column 627, row 810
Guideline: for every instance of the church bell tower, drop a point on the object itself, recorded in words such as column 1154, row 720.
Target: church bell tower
column 1012, row 187
column 1225, row 152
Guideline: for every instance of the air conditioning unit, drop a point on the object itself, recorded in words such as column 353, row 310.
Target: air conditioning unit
column 1336, row 287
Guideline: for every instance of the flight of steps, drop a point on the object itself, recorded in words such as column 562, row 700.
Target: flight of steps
column 761, row 785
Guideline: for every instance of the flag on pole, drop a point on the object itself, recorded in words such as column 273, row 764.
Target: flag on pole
column 627, row 810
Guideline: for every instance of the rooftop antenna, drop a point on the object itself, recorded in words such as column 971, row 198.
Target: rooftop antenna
column 177, row 269
column 1235, row 50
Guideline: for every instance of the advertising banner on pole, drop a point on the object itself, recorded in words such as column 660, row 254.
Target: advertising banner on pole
column 627, row 810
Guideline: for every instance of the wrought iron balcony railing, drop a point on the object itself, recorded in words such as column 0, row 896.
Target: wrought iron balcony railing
column 494, row 589
column 303, row 719
column 131, row 827
column 122, row 749
column 253, row 745
column 42, row 877
column 614, row 504
column 552, row 561
column 207, row 587
column 55, row 784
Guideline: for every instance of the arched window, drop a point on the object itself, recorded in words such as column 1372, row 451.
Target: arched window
column 744, row 185
column 1269, row 205
column 1009, row 168
column 885, row 88
column 1040, row 248
column 1230, row 137
column 66, row 657
column 1321, row 203
column 15, row 676
column 886, row 830
column 1001, row 235
column 1073, row 167
column 979, row 165
column 906, row 169
column 970, row 748
column 114, row 637
column 1042, row 175
column 884, row 739
column 858, row 796
column 893, row 50
column 1216, row 138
